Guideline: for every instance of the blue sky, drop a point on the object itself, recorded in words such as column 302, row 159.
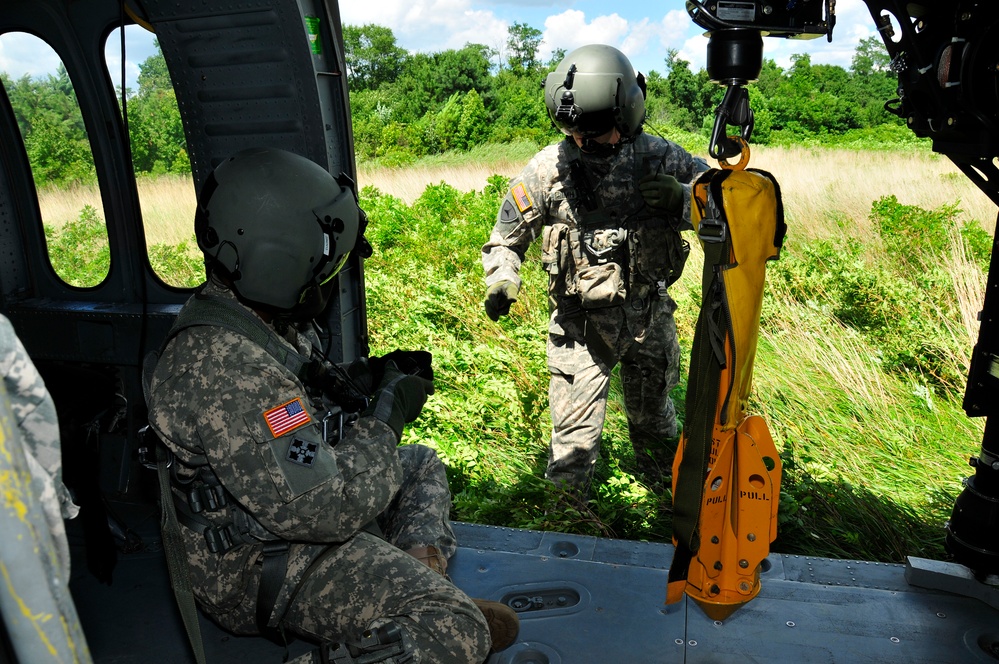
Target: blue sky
column 643, row 29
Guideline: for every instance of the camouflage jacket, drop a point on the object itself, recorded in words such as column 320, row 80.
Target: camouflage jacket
column 217, row 398
column 591, row 218
column 35, row 416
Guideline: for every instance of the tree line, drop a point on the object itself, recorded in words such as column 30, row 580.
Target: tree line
column 409, row 105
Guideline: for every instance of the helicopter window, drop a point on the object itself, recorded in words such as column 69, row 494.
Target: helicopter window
column 159, row 156
column 55, row 139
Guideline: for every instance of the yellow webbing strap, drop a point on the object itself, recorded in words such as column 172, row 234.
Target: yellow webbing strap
column 726, row 475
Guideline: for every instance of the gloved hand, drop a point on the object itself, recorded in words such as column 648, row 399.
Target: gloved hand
column 662, row 191
column 499, row 297
column 414, row 362
column 399, row 398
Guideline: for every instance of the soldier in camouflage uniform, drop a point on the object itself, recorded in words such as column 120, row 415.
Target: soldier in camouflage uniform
column 35, row 416
column 268, row 471
column 608, row 202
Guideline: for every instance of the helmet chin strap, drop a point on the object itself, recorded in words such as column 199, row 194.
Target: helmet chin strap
column 311, row 302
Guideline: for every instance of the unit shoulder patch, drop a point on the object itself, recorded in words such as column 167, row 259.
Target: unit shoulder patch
column 303, row 452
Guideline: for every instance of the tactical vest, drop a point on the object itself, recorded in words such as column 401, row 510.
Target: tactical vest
column 202, row 503
column 599, row 255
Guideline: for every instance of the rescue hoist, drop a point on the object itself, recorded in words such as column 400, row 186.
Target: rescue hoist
column 727, row 471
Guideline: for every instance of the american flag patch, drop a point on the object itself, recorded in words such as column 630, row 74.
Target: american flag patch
column 521, row 198
column 286, row 417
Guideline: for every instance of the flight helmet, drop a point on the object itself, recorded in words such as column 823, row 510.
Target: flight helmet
column 277, row 227
column 595, row 89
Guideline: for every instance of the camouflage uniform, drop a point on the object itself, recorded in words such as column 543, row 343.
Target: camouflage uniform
column 219, row 399
column 609, row 258
column 36, row 418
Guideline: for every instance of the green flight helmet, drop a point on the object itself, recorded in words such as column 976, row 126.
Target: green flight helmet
column 277, row 227
column 595, row 89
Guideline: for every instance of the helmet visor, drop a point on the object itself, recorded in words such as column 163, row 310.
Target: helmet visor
column 591, row 125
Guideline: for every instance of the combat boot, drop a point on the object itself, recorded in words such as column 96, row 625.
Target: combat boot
column 504, row 624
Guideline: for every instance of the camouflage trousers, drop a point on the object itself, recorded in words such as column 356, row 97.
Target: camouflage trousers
column 368, row 582
column 577, row 396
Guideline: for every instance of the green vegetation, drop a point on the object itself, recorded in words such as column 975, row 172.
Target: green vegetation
column 409, row 106
column 859, row 375
column 79, row 253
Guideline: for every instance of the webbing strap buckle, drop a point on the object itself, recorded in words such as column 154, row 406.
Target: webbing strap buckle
column 206, row 497
column 712, row 229
column 221, row 538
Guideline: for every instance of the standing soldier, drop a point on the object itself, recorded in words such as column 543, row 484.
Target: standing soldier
column 300, row 512
column 609, row 202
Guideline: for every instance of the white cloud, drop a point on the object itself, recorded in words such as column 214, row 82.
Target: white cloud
column 695, row 51
column 644, row 41
column 429, row 25
column 570, row 30
column 22, row 53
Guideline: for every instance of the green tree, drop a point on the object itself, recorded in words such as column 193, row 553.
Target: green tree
column 558, row 55
column 871, row 57
column 519, row 111
column 428, row 81
column 154, row 124
column 681, row 86
column 372, row 55
column 522, row 45
column 805, row 104
column 873, row 82
column 681, row 104
column 52, row 128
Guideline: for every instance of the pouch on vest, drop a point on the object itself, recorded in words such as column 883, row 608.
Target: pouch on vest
column 556, row 259
column 601, row 286
column 658, row 251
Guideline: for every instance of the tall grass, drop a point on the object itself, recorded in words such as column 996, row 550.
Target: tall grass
column 867, row 323
column 826, row 191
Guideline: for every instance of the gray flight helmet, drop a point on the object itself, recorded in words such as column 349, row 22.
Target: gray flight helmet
column 277, row 227
column 595, row 89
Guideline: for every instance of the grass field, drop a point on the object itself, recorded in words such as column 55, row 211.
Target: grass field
column 826, row 192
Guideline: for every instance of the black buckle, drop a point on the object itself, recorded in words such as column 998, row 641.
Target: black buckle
column 712, row 230
column 221, row 538
column 206, row 497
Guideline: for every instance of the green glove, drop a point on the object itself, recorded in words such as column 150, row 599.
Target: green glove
column 662, row 192
column 399, row 398
column 499, row 297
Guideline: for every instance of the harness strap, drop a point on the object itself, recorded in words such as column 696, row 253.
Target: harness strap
column 707, row 359
column 173, row 548
column 274, row 567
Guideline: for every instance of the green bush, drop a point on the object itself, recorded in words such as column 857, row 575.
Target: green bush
column 898, row 300
column 80, row 255
column 79, row 250
column 182, row 265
